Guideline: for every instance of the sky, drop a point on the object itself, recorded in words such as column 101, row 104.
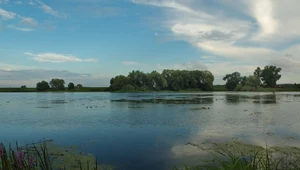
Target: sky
column 90, row 41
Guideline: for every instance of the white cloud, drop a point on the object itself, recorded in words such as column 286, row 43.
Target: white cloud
column 20, row 28
column 3, row 1
column 6, row 14
column 29, row 21
column 128, row 63
column 18, row 2
column 264, row 14
column 31, row 3
column 48, row 10
column 56, row 58
column 173, row 5
column 10, row 67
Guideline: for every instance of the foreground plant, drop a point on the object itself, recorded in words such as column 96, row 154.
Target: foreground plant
column 37, row 157
column 226, row 157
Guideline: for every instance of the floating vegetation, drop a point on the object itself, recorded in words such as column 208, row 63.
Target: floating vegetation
column 58, row 102
column 201, row 108
column 44, row 107
column 169, row 101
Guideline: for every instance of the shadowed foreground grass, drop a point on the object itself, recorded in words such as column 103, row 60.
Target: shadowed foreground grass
column 229, row 157
column 46, row 156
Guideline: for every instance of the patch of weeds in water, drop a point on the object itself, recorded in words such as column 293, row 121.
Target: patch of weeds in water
column 58, row 102
column 169, row 101
column 240, row 156
column 43, row 107
column 200, row 108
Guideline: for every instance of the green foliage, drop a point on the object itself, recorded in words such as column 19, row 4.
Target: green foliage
column 270, row 75
column 42, row 86
column 23, row 87
column 57, row 84
column 71, row 86
column 175, row 80
column 79, row 86
column 253, row 81
column 232, row 80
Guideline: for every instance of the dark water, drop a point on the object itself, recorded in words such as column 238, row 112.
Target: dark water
column 149, row 130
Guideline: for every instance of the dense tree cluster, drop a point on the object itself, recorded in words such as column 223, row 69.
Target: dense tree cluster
column 55, row 84
column 265, row 78
column 42, row 86
column 167, row 80
column 71, row 86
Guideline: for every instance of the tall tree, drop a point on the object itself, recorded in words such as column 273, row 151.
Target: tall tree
column 257, row 74
column 71, row 86
column 57, row 84
column 253, row 81
column 270, row 75
column 232, row 80
column 42, row 86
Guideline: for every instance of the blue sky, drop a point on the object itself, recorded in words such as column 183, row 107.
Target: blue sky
column 90, row 41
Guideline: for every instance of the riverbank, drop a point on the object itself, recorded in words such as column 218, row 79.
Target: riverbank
column 217, row 88
column 84, row 89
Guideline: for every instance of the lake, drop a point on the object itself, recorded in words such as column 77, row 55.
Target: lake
column 149, row 130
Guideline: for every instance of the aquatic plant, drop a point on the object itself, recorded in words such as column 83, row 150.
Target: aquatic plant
column 256, row 158
column 36, row 156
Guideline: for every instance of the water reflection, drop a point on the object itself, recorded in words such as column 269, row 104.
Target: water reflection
column 272, row 122
column 158, row 129
column 257, row 99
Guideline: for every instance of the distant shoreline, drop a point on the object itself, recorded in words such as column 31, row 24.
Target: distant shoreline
column 106, row 89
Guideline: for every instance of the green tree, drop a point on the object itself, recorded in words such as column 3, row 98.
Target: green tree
column 71, row 86
column 206, row 81
column 23, row 87
column 119, row 82
column 42, row 86
column 257, row 74
column 270, row 75
column 156, row 81
column 232, row 80
column 253, row 81
column 57, row 84
column 79, row 86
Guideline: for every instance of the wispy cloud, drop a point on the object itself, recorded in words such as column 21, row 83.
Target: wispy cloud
column 3, row 1
column 49, row 10
column 29, row 21
column 20, row 28
column 6, row 14
column 18, row 2
column 57, row 58
column 128, row 63
column 10, row 67
column 31, row 2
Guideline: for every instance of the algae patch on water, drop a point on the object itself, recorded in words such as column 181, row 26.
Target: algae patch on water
column 69, row 157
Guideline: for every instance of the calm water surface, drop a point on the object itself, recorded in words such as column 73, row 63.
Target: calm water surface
column 149, row 130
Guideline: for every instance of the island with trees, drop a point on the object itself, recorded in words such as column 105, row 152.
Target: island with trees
column 173, row 80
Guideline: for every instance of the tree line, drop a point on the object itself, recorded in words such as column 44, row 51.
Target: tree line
column 55, row 85
column 266, row 77
column 174, row 80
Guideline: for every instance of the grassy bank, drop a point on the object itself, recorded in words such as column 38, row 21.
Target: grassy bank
column 217, row 88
